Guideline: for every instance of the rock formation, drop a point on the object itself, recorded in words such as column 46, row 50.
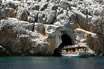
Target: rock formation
column 37, row 27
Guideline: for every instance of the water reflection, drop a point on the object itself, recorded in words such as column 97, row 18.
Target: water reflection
column 50, row 63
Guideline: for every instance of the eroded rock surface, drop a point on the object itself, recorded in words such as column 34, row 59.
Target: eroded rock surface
column 36, row 27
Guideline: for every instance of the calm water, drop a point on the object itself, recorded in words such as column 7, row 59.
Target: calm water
column 51, row 63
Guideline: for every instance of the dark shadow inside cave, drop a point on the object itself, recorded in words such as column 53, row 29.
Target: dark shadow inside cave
column 66, row 40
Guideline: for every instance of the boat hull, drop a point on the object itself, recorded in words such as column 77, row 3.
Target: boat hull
column 71, row 55
column 82, row 54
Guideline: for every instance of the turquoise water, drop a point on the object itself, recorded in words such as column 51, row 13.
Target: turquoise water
column 51, row 63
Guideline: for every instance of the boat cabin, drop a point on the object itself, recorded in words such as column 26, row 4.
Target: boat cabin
column 73, row 49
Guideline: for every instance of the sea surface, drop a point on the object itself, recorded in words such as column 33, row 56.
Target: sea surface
column 31, row 62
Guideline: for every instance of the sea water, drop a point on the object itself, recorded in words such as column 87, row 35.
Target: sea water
column 33, row 62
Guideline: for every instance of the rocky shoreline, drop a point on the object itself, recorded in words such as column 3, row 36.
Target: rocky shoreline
column 39, row 27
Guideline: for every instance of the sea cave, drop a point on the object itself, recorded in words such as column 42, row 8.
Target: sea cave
column 66, row 40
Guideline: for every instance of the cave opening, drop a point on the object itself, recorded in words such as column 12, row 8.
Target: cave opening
column 66, row 40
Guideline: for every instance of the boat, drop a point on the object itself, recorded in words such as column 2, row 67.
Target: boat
column 76, row 50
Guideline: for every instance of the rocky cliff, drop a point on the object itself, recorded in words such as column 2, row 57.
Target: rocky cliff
column 39, row 27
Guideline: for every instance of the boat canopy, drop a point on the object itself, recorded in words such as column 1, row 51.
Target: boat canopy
column 74, row 46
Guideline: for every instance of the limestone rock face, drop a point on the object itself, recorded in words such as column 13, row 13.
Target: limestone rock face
column 39, row 27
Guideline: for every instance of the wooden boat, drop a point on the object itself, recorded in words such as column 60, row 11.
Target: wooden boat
column 75, row 50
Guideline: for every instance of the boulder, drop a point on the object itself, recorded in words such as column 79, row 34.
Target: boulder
column 22, row 14
column 41, row 17
column 51, row 17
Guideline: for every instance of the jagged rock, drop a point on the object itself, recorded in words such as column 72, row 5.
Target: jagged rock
column 43, row 6
column 33, row 17
column 35, row 7
column 51, row 17
column 42, row 17
column 3, row 13
column 12, row 4
column 40, row 27
column 54, row 7
column 11, row 12
column 22, row 14
column 65, row 5
column 62, row 16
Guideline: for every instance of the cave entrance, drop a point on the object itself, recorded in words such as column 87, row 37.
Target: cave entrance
column 66, row 40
